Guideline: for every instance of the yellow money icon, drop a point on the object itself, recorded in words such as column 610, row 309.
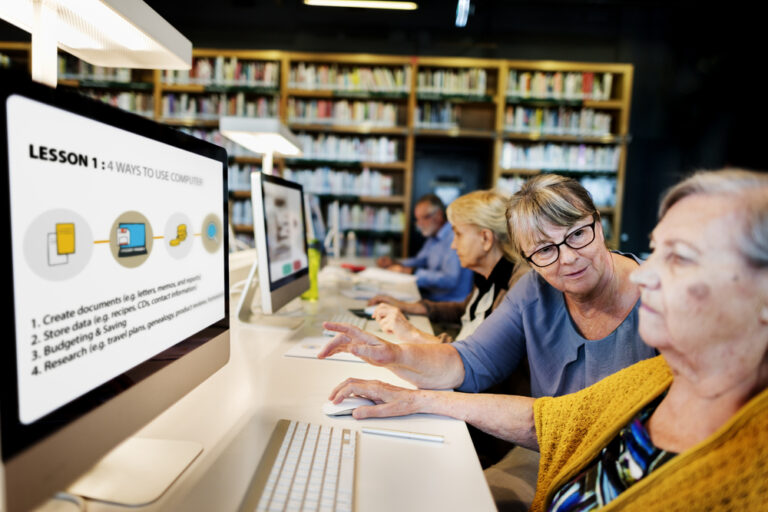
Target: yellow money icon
column 181, row 235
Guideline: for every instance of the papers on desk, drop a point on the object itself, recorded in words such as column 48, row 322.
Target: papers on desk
column 310, row 347
column 366, row 292
column 386, row 276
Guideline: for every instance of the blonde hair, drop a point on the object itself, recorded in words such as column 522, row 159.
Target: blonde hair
column 750, row 188
column 546, row 199
column 485, row 209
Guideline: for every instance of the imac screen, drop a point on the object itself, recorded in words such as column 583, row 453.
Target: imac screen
column 285, row 230
column 119, row 255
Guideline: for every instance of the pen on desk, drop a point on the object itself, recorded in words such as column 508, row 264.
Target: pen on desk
column 401, row 433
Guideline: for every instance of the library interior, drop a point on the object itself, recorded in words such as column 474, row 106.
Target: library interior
column 383, row 255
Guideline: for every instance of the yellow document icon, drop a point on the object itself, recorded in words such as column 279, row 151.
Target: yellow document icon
column 65, row 238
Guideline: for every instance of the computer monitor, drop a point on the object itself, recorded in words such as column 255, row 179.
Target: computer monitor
column 281, row 270
column 115, row 226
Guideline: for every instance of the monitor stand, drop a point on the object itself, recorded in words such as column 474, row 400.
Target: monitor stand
column 137, row 472
column 245, row 307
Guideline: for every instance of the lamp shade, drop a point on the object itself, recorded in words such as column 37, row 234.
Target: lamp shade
column 260, row 135
column 114, row 33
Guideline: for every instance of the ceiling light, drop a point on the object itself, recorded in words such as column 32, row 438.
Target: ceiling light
column 365, row 4
column 462, row 13
column 112, row 33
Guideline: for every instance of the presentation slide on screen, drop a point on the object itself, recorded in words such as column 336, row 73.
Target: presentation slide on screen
column 117, row 246
column 285, row 231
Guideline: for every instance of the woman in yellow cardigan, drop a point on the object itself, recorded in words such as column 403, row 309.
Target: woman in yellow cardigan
column 687, row 430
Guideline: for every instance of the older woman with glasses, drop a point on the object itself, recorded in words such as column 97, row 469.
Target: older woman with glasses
column 682, row 431
column 575, row 317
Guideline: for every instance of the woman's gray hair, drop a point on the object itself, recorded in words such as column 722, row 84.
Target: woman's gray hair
column 485, row 209
column 749, row 190
column 546, row 199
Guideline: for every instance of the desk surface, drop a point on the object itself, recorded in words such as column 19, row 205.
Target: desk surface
column 234, row 412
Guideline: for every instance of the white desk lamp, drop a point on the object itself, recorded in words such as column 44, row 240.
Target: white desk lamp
column 112, row 33
column 261, row 135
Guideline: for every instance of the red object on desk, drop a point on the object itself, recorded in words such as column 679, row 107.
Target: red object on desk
column 352, row 267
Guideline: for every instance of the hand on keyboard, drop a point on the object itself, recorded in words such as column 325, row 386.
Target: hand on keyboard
column 364, row 345
column 346, row 318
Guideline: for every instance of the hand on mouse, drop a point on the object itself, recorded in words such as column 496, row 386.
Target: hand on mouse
column 390, row 400
column 364, row 345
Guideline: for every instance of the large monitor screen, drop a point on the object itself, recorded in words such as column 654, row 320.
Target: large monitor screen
column 285, row 231
column 117, row 237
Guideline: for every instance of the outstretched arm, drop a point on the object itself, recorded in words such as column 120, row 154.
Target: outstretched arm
column 429, row 366
column 503, row 416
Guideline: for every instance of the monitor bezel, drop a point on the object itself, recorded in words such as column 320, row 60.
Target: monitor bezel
column 276, row 294
column 23, row 446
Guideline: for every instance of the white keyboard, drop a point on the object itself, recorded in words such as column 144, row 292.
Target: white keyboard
column 346, row 318
column 305, row 467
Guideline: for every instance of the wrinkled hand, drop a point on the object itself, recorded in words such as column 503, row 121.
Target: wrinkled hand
column 386, row 299
column 364, row 345
column 392, row 320
column 390, row 400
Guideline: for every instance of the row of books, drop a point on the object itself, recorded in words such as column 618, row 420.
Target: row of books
column 324, row 180
column 601, row 188
column 376, row 113
column 334, row 147
column 226, row 71
column 213, row 106
column 371, row 218
column 565, row 157
column 349, row 78
column 371, row 247
column 72, row 68
column 242, row 212
column 137, row 102
column 456, row 81
column 437, row 115
column 557, row 121
column 559, row 85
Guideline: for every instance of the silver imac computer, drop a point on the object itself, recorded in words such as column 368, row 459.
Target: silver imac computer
column 118, row 280
column 281, row 270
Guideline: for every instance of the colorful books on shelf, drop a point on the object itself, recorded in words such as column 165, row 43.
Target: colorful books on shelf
column 342, row 112
column 324, row 180
column 437, row 115
column 560, row 157
column 136, row 102
column 559, row 85
column 472, row 81
column 341, row 77
column 213, row 106
column 370, row 218
column 557, row 121
column 359, row 149
column 71, row 68
column 227, row 72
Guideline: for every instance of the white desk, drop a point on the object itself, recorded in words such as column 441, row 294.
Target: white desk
column 234, row 412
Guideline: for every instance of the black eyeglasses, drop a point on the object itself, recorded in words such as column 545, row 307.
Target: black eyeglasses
column 576, row 239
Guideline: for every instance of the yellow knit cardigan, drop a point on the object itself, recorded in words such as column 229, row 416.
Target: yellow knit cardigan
column 727, row 471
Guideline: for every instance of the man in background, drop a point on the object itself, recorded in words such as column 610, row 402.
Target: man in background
column 439, row 274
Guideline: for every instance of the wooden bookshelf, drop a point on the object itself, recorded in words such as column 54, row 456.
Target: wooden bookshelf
column 401, row 87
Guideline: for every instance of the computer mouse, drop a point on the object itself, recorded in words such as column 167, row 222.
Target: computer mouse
column 346, row 406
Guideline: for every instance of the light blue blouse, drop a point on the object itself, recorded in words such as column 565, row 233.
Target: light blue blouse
column 533, row 320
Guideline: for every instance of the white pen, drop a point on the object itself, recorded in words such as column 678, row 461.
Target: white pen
column 405, row 435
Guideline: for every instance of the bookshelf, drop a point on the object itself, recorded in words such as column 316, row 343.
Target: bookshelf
column 362, row 115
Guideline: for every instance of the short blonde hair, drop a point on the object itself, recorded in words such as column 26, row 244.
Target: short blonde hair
column 485, row 209
column 750, row 188
column 546, row 199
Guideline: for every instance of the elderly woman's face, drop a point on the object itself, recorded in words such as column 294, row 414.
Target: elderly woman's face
column 697, row 290
column 576, row 271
